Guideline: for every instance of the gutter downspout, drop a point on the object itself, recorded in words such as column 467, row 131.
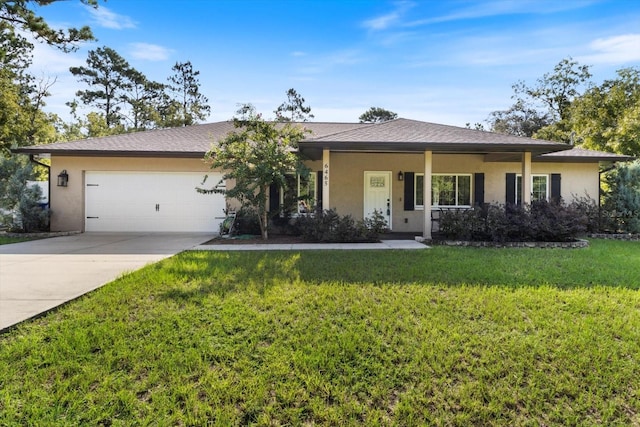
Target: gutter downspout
column 32, row 158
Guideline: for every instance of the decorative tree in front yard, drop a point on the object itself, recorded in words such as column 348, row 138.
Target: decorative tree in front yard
column 256, row 155
column 623, row 197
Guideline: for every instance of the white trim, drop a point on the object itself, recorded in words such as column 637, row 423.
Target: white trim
column 416, row 206
column 535, row 175
column 389, row 185
column 313, row 176
column 457, row 205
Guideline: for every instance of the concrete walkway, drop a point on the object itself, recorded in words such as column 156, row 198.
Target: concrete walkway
column 384, row 244
column 39, row 275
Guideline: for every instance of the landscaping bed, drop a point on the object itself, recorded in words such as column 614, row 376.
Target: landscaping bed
column 616, row 236
column 250, row 239
column 576, row 244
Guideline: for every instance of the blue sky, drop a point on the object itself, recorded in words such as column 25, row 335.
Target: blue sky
column 450, row 62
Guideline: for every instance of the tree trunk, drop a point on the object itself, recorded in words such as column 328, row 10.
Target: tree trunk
column 263, row 216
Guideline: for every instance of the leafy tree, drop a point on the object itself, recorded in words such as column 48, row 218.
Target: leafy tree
column 189, row 105
column 18, row 14
column 607, row 117
column 623, row 197
column 146, row 99
column 256, row 155
column 15, row 50
column 542, row 110
column 22, row 121
column 520, row 120
column 92, row 125
column 476, row 126
column 20, row 208
column 293, row 109
column 107, row 74
column 556, row 91
column 377, row 115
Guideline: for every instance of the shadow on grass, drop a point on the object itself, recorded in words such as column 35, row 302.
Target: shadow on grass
column 218, row 273
column 605, row 263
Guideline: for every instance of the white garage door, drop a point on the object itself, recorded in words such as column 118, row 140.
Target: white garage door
column 151, row 201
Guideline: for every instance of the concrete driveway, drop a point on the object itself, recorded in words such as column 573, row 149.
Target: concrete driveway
column 39, row 275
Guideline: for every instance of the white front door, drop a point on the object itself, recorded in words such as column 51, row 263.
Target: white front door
column 377, row 194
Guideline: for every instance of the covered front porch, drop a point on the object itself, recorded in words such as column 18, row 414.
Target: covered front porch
column 348, row 177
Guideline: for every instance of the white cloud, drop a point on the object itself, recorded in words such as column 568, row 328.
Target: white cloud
column 614, row 50
column 322, row 64
column 298, row 53
column 149, row 52
column 104, row 17
column 49, row 60
column 502, row 7
column 382, row 22
column 390, row 19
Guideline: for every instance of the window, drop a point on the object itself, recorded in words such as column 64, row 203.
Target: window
column 300, row 194
column 419, row 189
column 446, row 190
column 539, row 188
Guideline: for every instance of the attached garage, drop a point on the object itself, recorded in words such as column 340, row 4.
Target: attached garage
column 151, row 201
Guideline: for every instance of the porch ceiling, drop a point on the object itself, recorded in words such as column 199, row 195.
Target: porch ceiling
column 498, row 152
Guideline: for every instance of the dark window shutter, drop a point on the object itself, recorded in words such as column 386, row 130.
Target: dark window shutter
column 319, row 191
column 274, row 198
column 478, row 189
column 409, row 191
column 556, row 193
column 511, row 189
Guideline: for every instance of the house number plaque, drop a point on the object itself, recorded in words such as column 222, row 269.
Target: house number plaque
column 325, row 175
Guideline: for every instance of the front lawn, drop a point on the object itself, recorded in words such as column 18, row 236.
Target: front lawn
column 5, row 240
column 446, row 336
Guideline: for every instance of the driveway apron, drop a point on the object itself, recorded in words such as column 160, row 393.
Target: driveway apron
column 39, row 275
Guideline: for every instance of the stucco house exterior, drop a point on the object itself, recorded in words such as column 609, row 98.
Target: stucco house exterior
column 404, row 168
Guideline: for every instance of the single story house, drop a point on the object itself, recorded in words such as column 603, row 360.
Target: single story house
column 407, row 169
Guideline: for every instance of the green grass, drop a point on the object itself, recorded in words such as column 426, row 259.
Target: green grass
column 447, row 336
column 5, row 240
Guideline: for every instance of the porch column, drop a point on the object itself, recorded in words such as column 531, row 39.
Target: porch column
column 326, row 155
column 526, row 178
column 426, row 192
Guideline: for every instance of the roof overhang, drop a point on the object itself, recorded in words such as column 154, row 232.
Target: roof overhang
column 43, row 149
column 313, row 150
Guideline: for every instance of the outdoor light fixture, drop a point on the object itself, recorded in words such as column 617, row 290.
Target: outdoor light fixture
column 400, row 176
column 63, row 178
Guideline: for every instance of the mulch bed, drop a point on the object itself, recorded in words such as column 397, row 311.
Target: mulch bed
column 246, row 239
column 284, row 239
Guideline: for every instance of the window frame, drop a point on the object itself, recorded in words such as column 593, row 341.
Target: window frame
column 312, row 188
column 547, row 188
column 418, row 207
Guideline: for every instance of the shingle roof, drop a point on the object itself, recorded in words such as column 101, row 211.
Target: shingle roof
column 408, row 131
column 403, row 135
column 577, row 154
column 189, row 141
column 396, row 135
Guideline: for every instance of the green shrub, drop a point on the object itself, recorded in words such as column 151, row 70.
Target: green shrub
column 328, row 226
column 622, row 200
column 246, row 221
column 540, row 221
column 20, row 203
